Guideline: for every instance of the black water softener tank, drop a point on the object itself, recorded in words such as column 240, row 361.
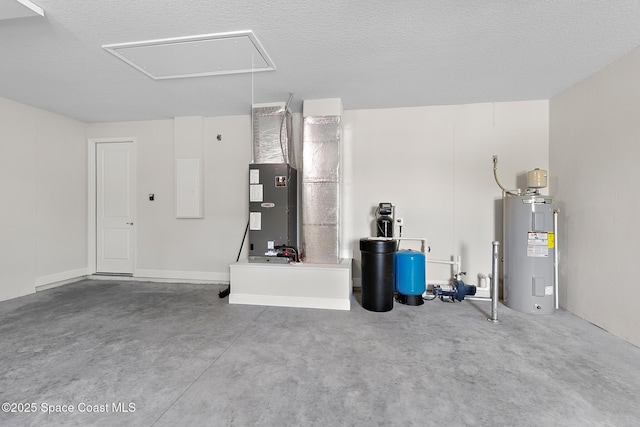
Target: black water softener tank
column 377, row 256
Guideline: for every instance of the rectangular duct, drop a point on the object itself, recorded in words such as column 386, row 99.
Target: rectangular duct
column 272, row 142
column 321, row 189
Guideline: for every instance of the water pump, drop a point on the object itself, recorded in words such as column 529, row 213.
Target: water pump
column 458, row 291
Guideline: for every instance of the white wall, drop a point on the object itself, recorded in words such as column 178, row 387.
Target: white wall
column 435, row 164
column 595, row 149
column 198, row 249
column 43, row 213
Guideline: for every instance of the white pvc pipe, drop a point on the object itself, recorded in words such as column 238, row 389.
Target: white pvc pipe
column 443, row 261
column 483, row 281
column 423, row 247
column 457, row 263
column 477, row 299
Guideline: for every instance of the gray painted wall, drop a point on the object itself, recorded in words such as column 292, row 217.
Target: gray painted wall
column 594, row 151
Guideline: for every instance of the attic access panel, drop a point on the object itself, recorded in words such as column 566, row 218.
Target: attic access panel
column 10, row 9
column 195, row 56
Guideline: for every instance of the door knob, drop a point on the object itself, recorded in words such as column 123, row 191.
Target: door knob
column 130, row 223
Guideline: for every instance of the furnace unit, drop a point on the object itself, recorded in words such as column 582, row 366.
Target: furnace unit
column 273, row 206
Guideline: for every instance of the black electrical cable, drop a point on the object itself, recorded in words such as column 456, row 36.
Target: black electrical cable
column 244, row 236
column 225, row 292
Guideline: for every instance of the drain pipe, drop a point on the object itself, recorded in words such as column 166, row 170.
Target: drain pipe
column 494, row 285
column 457, row 264
column 494, row 281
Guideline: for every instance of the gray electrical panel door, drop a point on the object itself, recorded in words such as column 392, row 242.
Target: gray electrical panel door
column 529, row 251
column 273, row 211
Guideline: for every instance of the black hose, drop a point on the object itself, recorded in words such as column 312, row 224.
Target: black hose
column 225, row 292
column 244, row 236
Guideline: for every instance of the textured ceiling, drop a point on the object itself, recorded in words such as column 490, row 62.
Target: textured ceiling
column 372, row 54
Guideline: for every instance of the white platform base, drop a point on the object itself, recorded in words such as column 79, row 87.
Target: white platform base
column 325, row 286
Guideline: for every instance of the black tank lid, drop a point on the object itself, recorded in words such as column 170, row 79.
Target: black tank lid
column 379, row 245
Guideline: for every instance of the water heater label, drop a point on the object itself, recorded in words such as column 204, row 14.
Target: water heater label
column 537, row 244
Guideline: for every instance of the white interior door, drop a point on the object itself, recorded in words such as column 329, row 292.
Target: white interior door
column 114, row 208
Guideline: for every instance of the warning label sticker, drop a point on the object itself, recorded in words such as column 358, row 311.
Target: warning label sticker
column 256, row 193
column 538, row 244
column 255, row 221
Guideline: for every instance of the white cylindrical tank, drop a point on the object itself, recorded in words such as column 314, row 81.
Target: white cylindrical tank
column 537, row 178
column 529, row 245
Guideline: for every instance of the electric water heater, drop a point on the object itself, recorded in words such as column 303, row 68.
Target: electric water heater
column 529, row 251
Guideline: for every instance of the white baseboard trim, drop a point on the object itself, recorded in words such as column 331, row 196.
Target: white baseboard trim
column 186, row 276
column 287, row 301
column 58, row 279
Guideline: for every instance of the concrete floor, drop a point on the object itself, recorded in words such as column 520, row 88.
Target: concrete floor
column 176, row 354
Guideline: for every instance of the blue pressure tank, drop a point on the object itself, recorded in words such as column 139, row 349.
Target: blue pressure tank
column 410, row 276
